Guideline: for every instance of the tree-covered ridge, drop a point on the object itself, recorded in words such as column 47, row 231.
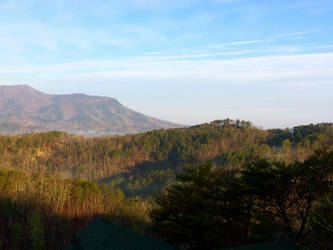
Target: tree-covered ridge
column 141, row 162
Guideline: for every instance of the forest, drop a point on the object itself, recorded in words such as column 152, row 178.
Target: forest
column 52, row 184
column 211, row 208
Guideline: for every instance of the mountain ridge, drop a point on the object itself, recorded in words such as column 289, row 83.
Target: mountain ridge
column 24, row 109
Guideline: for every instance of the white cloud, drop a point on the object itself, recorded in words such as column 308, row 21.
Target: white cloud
column 272, row 91
column 308, row 68
column 162, row 4
column 329, row 46
column 297, row 34
column 228, row 1
column 236, row 43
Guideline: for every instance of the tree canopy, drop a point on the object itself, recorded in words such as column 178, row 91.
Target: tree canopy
column 266, row 200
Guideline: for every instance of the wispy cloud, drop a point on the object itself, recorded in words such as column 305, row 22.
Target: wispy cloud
column 247, row 69
column 160, row 4
column 229, row 1
column 236, row 43
column 300, row 33
column 329, row 46
column 248, row 88
column 311, row 7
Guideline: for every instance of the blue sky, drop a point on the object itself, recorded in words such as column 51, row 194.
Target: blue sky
column 188, row 61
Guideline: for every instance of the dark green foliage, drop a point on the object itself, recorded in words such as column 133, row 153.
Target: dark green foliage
column 322, row 225
column 266, row 200
column 17, row 234
column 297, row 134
column 36, row 231
column 205, row 209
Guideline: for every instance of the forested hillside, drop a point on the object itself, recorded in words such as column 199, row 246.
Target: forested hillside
column 52, row 184
column 145, row 162
column 38, row 211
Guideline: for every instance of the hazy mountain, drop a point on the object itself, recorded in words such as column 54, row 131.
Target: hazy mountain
column 24, row 109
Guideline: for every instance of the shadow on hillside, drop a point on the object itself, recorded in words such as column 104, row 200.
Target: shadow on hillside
column 148, row 178
column 25, row 225
column 145, row 179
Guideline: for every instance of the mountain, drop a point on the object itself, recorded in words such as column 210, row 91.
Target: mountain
column 24, row 109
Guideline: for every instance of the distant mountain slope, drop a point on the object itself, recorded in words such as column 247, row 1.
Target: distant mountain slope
column 24, row 109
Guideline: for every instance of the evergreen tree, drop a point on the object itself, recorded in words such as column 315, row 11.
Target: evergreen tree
column 36, row 231
column 204, row 210
column 17, row 235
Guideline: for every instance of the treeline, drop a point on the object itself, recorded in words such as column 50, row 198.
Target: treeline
column 52, row 184
column 214, row 208
column 144, row 162
column 95, row 158
column 279, row 144
column 39, row 211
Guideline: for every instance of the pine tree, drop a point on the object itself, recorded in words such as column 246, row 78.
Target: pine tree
column 17, row 231
column 37, row 236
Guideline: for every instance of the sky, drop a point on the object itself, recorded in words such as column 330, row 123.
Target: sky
column 185, row 61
